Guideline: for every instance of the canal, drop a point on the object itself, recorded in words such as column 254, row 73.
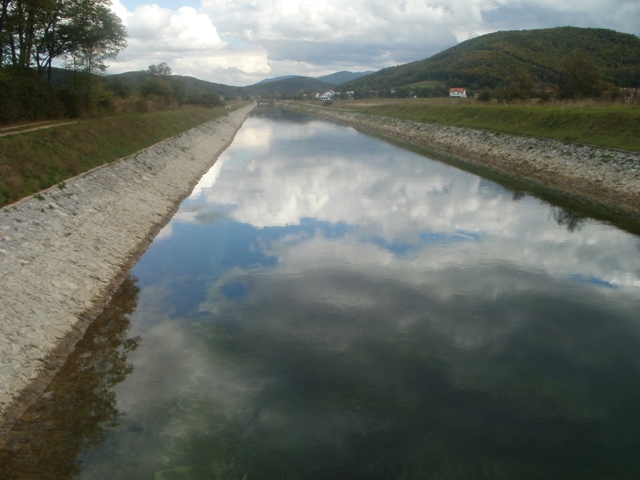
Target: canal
column 329, row 305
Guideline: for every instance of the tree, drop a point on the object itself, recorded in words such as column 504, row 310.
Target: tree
column 485, row 95
column 160, row 70
column 519, row 85
column 96, row 34
column 581, row 77
column 35, row 32
column 27, row 28
column 22, row 21
column 49, row 43
column 155, row 86
column 4, row 15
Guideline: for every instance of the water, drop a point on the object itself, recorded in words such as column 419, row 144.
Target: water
column 328, row 305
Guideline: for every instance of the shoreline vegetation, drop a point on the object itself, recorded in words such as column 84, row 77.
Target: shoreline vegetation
column 592, row 122
column 599, row 167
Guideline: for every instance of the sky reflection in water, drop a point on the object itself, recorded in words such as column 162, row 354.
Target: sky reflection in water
column 327, row 305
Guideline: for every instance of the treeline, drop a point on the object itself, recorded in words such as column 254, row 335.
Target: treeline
column 34, row 34
column 156, row 89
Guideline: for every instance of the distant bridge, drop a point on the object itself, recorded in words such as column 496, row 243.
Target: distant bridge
column 266, row 102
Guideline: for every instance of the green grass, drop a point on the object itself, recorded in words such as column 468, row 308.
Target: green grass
column 612, row 126
column 33, row 161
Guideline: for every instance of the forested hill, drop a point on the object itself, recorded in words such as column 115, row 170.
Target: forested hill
column 290, row 86
column 491, row 60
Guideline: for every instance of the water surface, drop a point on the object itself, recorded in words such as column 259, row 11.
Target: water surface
column 328, row 305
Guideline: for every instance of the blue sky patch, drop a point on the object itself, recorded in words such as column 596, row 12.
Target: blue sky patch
column 599, row 282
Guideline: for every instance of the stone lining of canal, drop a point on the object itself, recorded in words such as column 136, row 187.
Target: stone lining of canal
column 326, row 304
column 64, row 251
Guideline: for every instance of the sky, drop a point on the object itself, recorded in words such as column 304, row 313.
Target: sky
column 241, row 42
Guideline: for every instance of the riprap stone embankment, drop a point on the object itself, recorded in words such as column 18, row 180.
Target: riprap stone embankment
column 601, row 176
column 64, row 251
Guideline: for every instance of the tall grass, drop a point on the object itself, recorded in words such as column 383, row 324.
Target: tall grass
column 606, row 125
column 33, row 161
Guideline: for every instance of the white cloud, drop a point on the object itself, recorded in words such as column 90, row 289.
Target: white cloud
column 240, row 42
column 188, row 41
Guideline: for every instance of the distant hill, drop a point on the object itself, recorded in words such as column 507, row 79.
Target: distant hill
column 334, row 78
column 60, row 77
column 288, row 87
column 276, row 79
column 489, row 60
column 195, row 85
column 339, row 78
column 191, row 85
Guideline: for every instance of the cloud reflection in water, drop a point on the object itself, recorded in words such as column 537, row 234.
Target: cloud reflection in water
column 361, row 308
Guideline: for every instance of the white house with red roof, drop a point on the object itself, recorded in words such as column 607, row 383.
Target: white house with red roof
column 458, row 92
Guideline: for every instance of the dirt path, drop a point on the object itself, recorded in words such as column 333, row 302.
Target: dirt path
column 30, row 127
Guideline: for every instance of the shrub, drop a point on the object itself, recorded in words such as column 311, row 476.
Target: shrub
column 485, row 95
column 208, row 100
column 25, row 96
column 155, row 86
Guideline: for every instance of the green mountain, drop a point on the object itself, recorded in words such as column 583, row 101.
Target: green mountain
column 276, row 79
column 339, row 78
column 191, row 85
column 491, row 60
column 334, row 78
column 195, row 85
column 537, row 57
column 288, row 87
column 284, row 86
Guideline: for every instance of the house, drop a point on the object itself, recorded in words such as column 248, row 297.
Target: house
column 327, row 95
column 457, row 92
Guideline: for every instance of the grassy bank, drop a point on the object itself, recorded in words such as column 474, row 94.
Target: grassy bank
column 33, row 161
column 612, row 126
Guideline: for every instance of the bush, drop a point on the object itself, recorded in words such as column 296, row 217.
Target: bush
column 485, row 95
column 25, row 96
column 71, row 101
column 105, row 101
column 141, row 106
column 155, row 86
column 208, row 100
column 119, row 87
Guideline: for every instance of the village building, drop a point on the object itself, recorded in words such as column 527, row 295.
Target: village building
column 328, row 95
column 458, row 92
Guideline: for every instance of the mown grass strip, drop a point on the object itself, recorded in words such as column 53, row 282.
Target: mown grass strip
column 33, row 161
column 612, row 126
